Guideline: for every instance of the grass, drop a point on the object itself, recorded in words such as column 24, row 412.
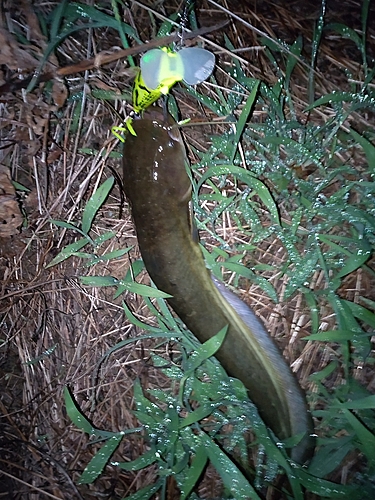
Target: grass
column 284, row 198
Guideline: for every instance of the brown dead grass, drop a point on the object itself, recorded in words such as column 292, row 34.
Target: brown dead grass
column 42, row 453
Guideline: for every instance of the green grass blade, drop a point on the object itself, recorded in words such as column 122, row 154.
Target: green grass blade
column 312, row 304
column 355, row 260
column 217, row 108
column 121, row 30
column 327, row 489
column 329, row 456
column 144, row 290
column 145, row 405
column 68, row 251
column 317, row 36
column 334, row 336
column 98, row 281
column 145, row 460
column 365, row 13
column 247, row 273
column 200, row 413
column 198, row 464
column 147, row 492
column 135, row 321
column 57, row 18
column 368, row 402
column 65, row 225
column 96, row 465
column 368, row 148
column 346, row 32
column 242, row 121
column 365, row 437
column 75, row 414
column 361, row 313
column 245, row 176
column 206, row 350
column 116, row 254
column 94, row 204
column 102, row 238
column 231, row 476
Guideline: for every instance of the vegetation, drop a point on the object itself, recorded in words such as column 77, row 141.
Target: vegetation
column 284, row 194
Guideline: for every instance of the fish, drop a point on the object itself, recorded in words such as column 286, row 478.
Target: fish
column 158, row 188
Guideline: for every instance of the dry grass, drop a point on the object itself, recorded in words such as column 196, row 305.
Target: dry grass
column 42, row 453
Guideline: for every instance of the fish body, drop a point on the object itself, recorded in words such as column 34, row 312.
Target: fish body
column 159, row 190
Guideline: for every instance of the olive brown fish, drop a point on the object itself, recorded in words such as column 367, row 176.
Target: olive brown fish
column 159, row 190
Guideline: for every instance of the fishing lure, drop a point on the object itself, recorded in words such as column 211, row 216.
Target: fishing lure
column 160, row 70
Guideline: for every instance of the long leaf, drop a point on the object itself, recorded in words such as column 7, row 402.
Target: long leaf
column 68, row 251
column 75, row 414
column 147, row 492
column 366, row 438
column 96, row 465
column 194, row 472
column 241, row 124
column 245, row 176
column 94, row 203
column 231, row 476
